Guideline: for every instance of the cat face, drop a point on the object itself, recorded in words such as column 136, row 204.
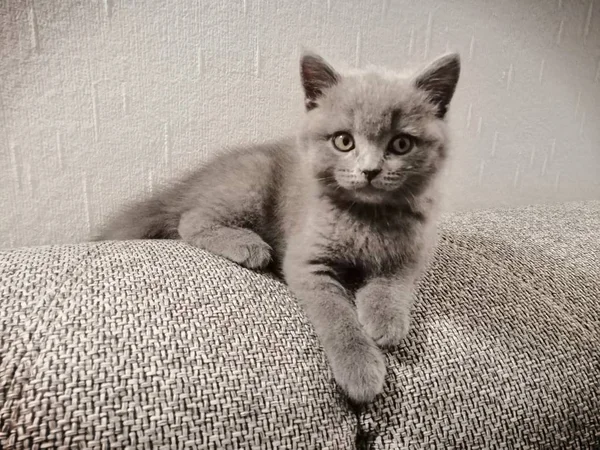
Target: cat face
column 376, row 137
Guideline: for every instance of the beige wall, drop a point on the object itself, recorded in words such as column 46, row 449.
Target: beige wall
column 101, row 100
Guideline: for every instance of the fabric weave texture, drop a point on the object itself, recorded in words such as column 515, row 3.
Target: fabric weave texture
column 155, row 344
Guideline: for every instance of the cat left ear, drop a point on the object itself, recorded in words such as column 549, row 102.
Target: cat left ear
column 439, row 80
column 317, row 76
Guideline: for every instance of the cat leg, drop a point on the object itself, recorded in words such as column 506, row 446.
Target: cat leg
column 357, row 363
column 384, row 306
column 240, row 245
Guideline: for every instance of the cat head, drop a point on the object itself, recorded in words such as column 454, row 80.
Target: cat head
column 373, row 136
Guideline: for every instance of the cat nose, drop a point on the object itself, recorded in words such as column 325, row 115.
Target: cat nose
column 370, row 174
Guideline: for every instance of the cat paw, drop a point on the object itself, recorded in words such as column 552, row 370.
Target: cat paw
column 386, row 326
column 241, row 246
column 360, row 371
column 249, row 251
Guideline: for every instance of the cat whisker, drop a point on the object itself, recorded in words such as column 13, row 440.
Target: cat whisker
column 327, row 180
column 408, row 201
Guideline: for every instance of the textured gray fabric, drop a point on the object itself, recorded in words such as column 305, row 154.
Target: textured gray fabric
column 134, row 344
column 505, row 351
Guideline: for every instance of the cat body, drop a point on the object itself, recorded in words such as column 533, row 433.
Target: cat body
column 346, row 211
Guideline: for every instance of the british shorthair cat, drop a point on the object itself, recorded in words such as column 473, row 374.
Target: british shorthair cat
column 346, row 210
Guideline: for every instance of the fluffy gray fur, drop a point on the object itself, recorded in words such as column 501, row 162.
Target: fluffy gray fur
column 350, row 230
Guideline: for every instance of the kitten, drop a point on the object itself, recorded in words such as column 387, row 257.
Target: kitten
column 346, row 210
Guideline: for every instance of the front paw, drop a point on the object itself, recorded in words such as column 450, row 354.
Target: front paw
column 250, row 253
column 359, row 369
column 387, row 325
column 243, row 247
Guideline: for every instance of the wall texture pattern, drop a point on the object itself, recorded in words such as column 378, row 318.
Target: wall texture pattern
column 103, row 100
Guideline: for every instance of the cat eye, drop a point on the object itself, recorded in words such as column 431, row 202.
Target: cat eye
column 344, row 142
column 402, row 144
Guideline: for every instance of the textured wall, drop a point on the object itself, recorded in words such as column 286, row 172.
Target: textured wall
column 102, row 100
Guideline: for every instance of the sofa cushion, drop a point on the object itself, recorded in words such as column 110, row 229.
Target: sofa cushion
column 114, row 345
column 136, row 343
column 505, row 348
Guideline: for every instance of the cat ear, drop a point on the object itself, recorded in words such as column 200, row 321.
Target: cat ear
column 439, row 81
column 316, row 76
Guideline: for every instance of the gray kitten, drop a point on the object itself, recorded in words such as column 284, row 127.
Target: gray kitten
column 346, row 210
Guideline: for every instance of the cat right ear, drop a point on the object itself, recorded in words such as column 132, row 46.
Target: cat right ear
column 439, row 80
column 317, row 76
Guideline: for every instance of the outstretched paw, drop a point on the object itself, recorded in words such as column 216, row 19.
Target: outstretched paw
column 359, row 370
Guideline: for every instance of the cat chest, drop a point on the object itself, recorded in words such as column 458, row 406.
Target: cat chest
column 363, row 254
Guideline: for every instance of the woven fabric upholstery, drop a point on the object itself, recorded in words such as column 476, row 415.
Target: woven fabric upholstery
column 505, row 349
column 139, row 343
column 157, row 344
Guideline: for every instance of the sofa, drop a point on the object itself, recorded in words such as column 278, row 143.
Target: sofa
column 155, row 344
